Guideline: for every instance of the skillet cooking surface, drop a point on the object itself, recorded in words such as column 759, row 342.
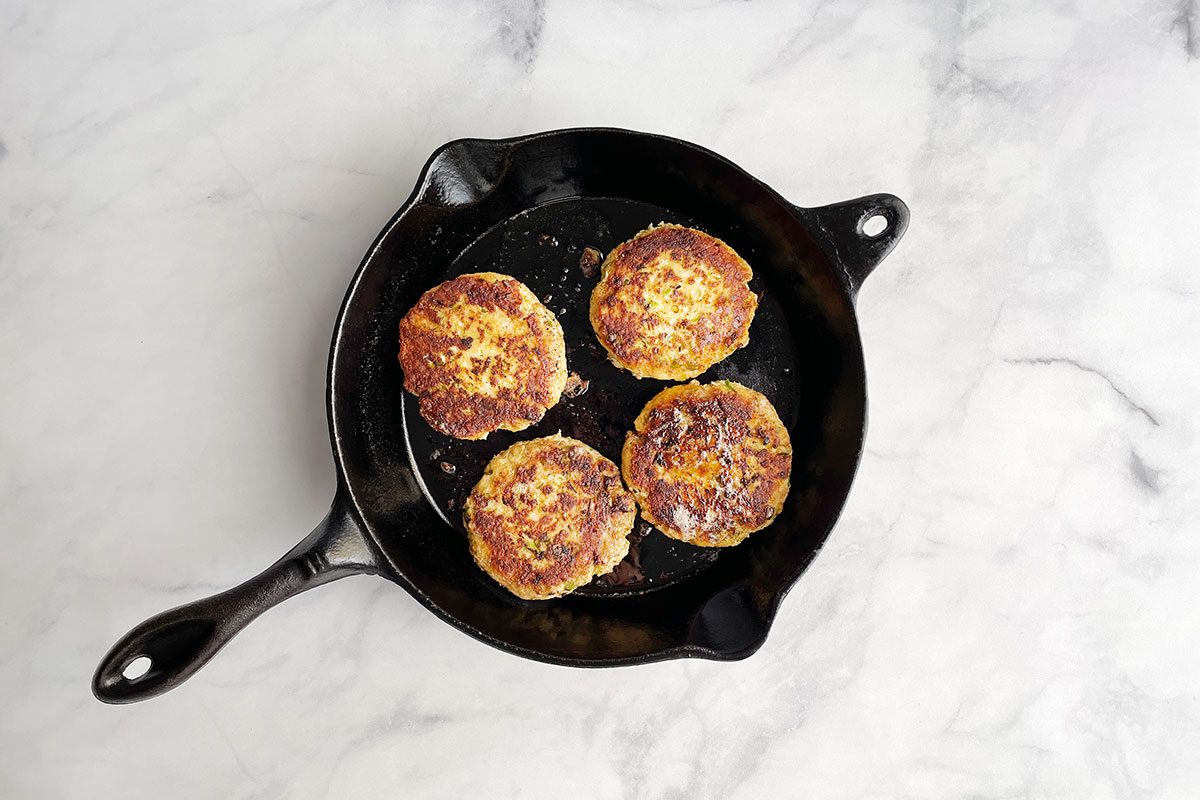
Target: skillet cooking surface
column 541, row 248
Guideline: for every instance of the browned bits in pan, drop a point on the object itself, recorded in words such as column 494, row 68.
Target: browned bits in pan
column 589, row 262
column 576, row 385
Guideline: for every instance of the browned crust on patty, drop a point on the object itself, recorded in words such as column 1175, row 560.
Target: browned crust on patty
column 548, row 515
column 671, row 302
column 481, row 354
column 708, row 464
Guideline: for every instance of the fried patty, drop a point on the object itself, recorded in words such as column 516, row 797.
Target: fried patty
column 547, row 516
column 671, row 302
column 482, row 354
column 709, row 464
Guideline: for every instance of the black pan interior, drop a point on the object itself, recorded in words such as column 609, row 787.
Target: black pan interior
column 527, row 208
column 542, row 247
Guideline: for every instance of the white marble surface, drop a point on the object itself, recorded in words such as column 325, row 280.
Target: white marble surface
column 1008, row 606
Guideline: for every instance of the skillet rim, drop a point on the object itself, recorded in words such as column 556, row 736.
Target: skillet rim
column 386, row 567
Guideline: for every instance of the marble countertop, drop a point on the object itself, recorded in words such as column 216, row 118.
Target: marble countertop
column 1007, row 606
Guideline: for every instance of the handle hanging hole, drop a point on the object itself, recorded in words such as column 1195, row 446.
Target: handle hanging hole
column 872, row 226
column 137, row 668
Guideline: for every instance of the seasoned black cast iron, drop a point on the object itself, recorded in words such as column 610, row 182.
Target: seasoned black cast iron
column 527, row 206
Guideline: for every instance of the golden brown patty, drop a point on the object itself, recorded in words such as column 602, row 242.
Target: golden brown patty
column 671, row 302
column 708, row 464
column 482, row 354
column 547, row 516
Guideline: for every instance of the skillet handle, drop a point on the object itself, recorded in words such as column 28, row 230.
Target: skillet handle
column 180, row 641
column 841, row 226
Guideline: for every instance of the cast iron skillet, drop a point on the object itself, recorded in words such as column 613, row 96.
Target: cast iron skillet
column 527, row 206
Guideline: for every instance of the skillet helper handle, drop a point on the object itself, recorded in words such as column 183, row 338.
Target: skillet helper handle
column 844, row 227
column 180, row 641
